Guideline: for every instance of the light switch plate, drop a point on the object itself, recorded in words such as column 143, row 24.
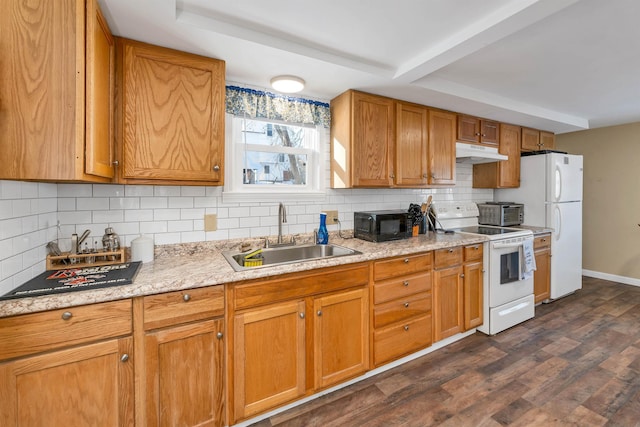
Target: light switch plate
column 210, row 222
column 332, row 217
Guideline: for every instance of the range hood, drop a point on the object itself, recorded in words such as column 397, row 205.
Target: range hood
column 475, row 154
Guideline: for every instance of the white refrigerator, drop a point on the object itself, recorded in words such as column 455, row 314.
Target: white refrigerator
column 551, row 191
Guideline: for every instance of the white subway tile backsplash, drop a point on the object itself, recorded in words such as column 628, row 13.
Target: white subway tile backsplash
column 166, row 238
column 6, row 209
column 166, row 190
column 124, row 203
column 180, row 202
column 108, row 216
column 192, row 213
column 153, row 202
column 138, row 215
column 108, row 190
column 138, row 191
column 192, row 191
column 154, row 227
column 47, row 190
column 75, row 190
column 166, row 214
column 192, row 236
column 178, row 226
column 93, row 203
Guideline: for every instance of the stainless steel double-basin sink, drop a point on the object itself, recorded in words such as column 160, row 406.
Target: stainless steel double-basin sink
column 289, row 254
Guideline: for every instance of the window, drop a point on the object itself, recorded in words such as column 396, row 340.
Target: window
column 270, row 157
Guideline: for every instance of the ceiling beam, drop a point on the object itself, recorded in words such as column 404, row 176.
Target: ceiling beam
column 512, row 17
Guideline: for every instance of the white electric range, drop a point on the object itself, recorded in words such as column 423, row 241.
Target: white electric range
column 508, row 289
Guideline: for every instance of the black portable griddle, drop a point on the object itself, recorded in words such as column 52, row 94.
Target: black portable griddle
column 76, row 279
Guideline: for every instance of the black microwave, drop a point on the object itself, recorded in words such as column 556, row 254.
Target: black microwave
column 381, row 226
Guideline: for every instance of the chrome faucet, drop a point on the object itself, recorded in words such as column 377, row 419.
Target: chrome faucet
column 282, row 217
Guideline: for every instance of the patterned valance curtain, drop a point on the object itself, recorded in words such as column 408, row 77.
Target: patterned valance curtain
column 266, row 105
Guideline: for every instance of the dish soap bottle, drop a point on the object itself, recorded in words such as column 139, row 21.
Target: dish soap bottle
column 323, row 234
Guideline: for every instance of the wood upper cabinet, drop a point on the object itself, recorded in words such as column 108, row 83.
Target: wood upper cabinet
column 442, row 148
column 181, row 368
column 477, row 131
column 68, row 367
column 505, row 173
column 411, row 144
column 57, row 91
column 534, row 140
column 170, row 115
column 269, row 357
column 542, row 273
column 341, row 337
column 362, row 140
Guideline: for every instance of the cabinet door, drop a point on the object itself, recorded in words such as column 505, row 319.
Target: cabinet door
column 468, row 129
column 99, row 138
column 86, row 385
column 447, row 302
column 411, row 145
column 547, row 140
column 489, row 132
column 173, row 114
column 509, row 170
column 472, row 295
column 542, row 275
column 269, row 357
column 442, row 148
column 373, row 140
column 341, row 337
column 184, row 371
column 530, row 139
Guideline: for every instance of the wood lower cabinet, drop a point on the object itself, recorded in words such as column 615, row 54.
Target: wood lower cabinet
column 505, row 173
column 181, row 375
column 401, row 314
column 68, row 367
column 295, row 335
column 457, row 290
column 542, row 273
column 57, row 91
column 170, row 116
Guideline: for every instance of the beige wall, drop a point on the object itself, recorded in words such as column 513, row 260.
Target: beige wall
column 611, row 214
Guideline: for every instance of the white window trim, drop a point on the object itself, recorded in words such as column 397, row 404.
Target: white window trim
column 310, row 192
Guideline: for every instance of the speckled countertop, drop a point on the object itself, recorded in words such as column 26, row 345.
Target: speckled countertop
column 186, row 266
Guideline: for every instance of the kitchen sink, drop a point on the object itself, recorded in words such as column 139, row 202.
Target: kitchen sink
column 290, row 254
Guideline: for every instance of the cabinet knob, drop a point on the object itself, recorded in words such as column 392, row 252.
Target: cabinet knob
column 462, row 275
column 216, row 168
column 406, row 260
column 406, row 327
column 543, row 240
column 186, row 297
column 219, row 335
column 302, row 315
column 319, row 312
column 392, row 176
column 67, row 315
column 450, row 250
column 424, row 175
column 405, row 283
column 477, row 133
column 406, row 305
column 124, row 357
column 483, row 270
column 115, row 163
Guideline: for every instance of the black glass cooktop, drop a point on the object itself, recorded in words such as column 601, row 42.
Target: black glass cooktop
column 489, row 231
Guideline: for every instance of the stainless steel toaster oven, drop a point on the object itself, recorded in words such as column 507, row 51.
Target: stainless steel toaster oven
column 502, row 214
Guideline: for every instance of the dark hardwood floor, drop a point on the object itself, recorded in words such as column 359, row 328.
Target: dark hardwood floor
column 577, row 363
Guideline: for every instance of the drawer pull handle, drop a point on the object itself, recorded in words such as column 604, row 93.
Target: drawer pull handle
column 319, row 312
column 405, row 283
column 302, row 315
column 543, row 240
column 406, row 260
column 406, row 327
column 67, row 315
column 124, row 357
column 219, row 335
column 406, row 305
column 186, row 297
column 450, row 250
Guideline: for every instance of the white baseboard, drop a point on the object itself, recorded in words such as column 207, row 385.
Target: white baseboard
column 611, row 277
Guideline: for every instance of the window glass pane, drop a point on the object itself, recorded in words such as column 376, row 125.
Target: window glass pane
column 274, row 134
column 265, row 168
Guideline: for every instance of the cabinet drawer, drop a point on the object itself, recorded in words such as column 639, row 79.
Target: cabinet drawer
column 447, row 257
column 37, row 332
column 183, row 306
column 399, row 340
column 402, row 309
column 401, row 287
column 401, row 266
column 542, row 241
column 473, row 252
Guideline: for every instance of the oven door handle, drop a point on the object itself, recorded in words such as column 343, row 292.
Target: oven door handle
column 500, row 245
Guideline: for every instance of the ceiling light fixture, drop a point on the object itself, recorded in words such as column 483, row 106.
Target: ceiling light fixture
column 287, row 84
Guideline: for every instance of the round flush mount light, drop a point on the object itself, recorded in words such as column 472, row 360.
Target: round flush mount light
column 287, row 84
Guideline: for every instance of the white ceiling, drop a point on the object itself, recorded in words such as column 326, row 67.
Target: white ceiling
column 557, row 65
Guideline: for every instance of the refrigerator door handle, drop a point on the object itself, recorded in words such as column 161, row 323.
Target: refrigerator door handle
column 558, row 189
column 558, row 227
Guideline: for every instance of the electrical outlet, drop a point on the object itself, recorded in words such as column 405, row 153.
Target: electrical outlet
column 332, row 217
column 210, row 222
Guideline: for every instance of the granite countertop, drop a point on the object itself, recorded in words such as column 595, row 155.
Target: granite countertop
column 186, row 266
column 534, row 229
